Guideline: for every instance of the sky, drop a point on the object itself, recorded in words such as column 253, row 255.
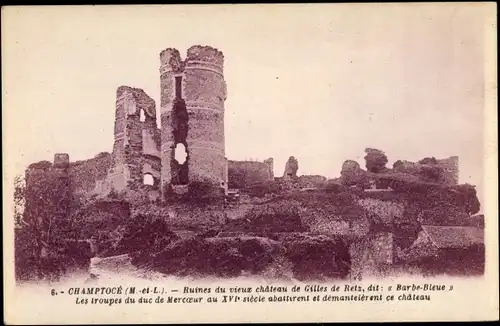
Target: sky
column 319, row 82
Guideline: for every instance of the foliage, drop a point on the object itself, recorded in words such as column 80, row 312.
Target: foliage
column 317, row 257
column 221, row 257
column 428, row 160
column 375, row 160
column 433, row 173
column 41, row 207
column 42, row 165
column 19, row 200
column 204, row 191
column 263, row 188
column 146, row 233
column 279, row 216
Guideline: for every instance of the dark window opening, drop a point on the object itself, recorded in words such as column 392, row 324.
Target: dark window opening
column 178, row 87
column 180, row 119
column 180, row 153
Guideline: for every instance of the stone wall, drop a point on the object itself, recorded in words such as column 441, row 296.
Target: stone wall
column 86, row 176
column 451, row 169
column 243, row 174
column 311, row 181
column 136, row 149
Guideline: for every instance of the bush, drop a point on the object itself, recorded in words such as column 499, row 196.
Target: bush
column 264, row 188
column 204, row 191
column 281, row 216
column 146, row 234
column 197, row 256
column 220, row 257
column 40, row 165
column 333, row 187
column 432, row 173
column 428, row 160
column 318, row 257
column 375, row 160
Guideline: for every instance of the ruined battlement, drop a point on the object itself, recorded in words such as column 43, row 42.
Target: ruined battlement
column 139, row 97
column 206, row 54
column 61, row 160
column 198, row 57
column 171, row 61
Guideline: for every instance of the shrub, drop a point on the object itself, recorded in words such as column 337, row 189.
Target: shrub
column 221, row 257
column 317, row 257
column 145, row 234
column 40, row 165
column 375, row 160
column 264, row 188
column 204, row 191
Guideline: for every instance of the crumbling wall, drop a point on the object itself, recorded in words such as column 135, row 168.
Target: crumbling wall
column 291, row 168
column 243, row 174
column 311, row 181
column 270, row 164
column 451, row 171
column 136, row 149
column 171, row 65
column 85, row 176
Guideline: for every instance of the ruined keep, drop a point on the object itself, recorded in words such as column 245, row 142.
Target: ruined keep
column 136, row 150
column 193, row 92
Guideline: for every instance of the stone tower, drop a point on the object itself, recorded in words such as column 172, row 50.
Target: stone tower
column 193, row 92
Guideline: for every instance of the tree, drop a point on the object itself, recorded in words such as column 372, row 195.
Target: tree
column 42, row 203
column 375, row 160
column 19, row 200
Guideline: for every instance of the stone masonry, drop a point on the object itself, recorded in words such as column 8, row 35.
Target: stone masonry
column 193, row 92
column 136, row 150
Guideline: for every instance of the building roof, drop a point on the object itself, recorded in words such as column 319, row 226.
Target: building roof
column 448, row 237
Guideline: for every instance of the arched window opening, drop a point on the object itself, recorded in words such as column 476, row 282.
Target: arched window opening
column 142, row 116
column 148, row 179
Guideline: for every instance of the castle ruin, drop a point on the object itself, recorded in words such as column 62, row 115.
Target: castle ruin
column 193, row 92
column 146, row 157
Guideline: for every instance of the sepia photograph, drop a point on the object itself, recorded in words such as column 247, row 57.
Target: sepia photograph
column 276, row 144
